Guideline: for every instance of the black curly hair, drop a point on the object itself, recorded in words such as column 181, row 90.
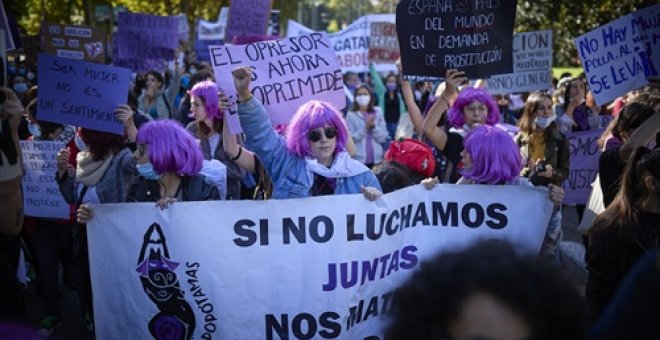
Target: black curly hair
column 534, row 290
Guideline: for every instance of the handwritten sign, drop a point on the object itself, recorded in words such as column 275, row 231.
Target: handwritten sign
column 247, row 18
column 145, row 36
column 383, row 44
column 286, row 74
column 619, row 56
column 75, row 42
column 81, row 93
column 532, row 64
column 41, row 195
column 473, row 36
column 584, row 153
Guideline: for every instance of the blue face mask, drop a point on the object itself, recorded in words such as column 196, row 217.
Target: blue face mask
column 35, row 130
column 147, row 171
column 185, row 82
column 20, row 88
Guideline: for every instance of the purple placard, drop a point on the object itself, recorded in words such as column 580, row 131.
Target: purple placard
column 248, row 18
column 202, row 48
column 287, row 73
column 145, row 36
column 81, row 93
column 135, row 65
column 584, row 153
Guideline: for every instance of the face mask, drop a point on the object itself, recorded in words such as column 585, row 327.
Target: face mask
column 80, row 144
column 20, row 88
column 22, row 71
column 30, row 76
column 192, row 71
column 185, row 82
column 35, row 130
column 418, row 96
column 147, row 171
column 391, row 86
column 544, row 122
column 363, row 100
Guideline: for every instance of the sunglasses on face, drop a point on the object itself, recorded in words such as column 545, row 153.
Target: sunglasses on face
column 315, row 135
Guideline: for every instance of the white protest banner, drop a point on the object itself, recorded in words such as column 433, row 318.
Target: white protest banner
column 41, row 196
column 532, row 65
column 584, row 153
column 383, row 44
column 295, row 29
column 321, row 267
column 286, row 74
column 619, row 56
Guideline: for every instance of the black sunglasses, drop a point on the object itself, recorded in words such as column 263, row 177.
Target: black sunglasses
column 315, row 135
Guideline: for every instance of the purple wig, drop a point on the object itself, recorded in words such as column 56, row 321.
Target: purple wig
column 465, row 98
column 171, row 147
column 495, row 156
column 208, row 92
column 313, row 115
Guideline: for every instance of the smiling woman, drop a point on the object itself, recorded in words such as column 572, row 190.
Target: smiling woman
column 312, row 161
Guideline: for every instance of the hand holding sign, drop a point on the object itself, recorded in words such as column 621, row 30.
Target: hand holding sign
column 453, row 79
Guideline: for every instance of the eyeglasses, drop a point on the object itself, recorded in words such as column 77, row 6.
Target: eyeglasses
column 315, row 135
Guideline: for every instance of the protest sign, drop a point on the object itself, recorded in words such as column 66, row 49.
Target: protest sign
column 41, row 196
column 294, row 29
column 352, row 44
column 532, row 65
column 473, row 36
column 331, row 263
column 136, row 65
column 81, row 93
column 619, row 56
column 274, row 23
column 286, row 74
column 6, row 27
column 183, row 28
column 210, row 33
column 74, row 42
column 247, row 18
column 145, row 36
column 383, row 44
column 584, row 153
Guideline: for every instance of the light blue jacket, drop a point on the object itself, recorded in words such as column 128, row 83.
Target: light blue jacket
column 287, row 171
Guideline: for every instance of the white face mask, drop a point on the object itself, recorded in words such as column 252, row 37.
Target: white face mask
column 544, row 122
column 363, row 100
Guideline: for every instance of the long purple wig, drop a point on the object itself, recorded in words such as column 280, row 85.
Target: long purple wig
column 171, row 147
column 208, row 92
column 495, row 156
column 313, row 115
column 465, row 98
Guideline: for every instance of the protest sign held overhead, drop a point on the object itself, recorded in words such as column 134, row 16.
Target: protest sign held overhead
column 247, row 18
column 619, row 56
column 383, row 44
column 472, row 36
column 74, row 42
column 532, row 65
column 145, row 36
column 42, row 197
column 584, row 154
column 332, row 262
column 286, row 74
column 81, row 93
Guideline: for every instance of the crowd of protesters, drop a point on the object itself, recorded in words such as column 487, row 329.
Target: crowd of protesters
column 177, row 147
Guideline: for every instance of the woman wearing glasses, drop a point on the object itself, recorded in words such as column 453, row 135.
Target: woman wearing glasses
column 312, row 160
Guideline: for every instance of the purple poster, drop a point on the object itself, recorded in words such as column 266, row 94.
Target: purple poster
column 248, row 18
column 145, row 36
column 584, row 153
column 81, row 93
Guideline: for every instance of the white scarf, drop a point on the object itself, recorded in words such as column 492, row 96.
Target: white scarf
column 343, row 166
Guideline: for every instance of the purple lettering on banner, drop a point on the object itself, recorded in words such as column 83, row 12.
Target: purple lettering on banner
column 248, row 18
column 584, row 153
column 81, row 93
column 144, row 36
column 286, row 74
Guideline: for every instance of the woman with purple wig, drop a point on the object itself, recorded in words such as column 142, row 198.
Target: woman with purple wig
column 312, row 160
column 207, row 127
column 470, row 108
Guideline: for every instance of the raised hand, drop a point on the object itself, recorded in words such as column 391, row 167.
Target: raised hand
column 242, row 78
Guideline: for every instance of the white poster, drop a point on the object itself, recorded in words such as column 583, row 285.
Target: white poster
column 532, row 65
column 322, row 267
column 41, row 196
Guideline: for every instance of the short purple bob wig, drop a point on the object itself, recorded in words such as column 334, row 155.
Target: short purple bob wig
column 171, row 147
column 466, row 97
column 495, row 156
column 208, row 92
column 313, row 115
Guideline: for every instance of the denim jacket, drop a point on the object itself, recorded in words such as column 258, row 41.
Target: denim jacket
column 287, row 171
